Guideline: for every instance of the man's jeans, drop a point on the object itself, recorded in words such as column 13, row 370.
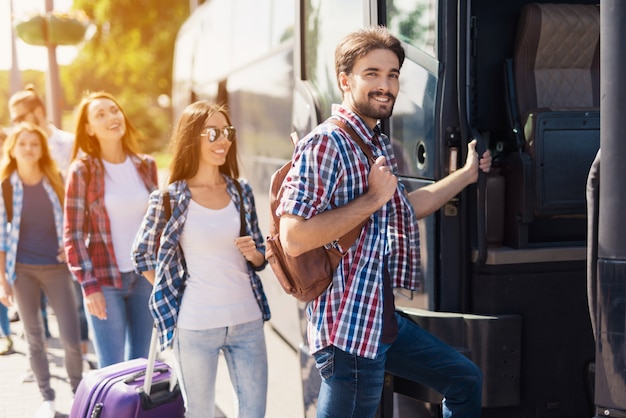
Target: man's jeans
column 352, row 385
column 126, row 332
column 197, row 354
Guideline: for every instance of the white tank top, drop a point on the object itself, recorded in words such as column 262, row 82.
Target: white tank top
column 218, row 292
column 126, row 202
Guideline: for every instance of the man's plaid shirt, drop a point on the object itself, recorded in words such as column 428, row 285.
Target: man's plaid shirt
column 328, row 171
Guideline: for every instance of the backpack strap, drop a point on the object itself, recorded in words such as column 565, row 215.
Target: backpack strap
column 168, row 214
column 242, row 216
column 167, row 205
column 351, row 236
column 87, row 178
column 355, row 137
column 7, row 195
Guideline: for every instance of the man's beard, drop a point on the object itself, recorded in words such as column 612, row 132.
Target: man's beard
column 374, row 111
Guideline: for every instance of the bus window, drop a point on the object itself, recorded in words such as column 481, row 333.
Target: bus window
column 326, row 23
column 212, row 57
column 260, row 27
column 412, row 129
column 281, row 25
column 182, row 80
column 250, row 37
column 414, row 22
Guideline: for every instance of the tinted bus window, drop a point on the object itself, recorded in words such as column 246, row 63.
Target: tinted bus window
column 260, row 26
column 182, row 78
column 414, row 22
column 413, row 122
column 327, row 22
column 260, row 83
column 281, row 24
column 212, row 56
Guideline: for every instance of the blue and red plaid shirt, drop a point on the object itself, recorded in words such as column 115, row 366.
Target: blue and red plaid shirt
column 329, row 170
column 87, row 229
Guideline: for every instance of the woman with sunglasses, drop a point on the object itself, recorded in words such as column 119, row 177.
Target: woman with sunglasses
column 106, row 197
column 199, row 248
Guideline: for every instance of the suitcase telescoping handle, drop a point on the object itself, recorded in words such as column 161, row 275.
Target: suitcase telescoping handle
column 141, row 375
column 147, row 383
column 152, row 354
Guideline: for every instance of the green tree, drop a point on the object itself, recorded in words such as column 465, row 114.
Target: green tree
column 130, row 56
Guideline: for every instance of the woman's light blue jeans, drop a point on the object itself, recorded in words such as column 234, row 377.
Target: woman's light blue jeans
column 352, row 385
column 126, row 332
column 197, row 354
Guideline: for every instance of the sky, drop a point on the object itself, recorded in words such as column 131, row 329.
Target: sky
column 28, row 56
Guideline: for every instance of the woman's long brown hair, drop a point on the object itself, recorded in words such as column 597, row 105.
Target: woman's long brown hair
column 186, row 142
column 89, row 144
column 46, row 163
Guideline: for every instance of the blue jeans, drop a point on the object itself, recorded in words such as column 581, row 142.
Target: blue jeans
column 197, row 354
column 126, row 332
column 82, row 317
column 352, row 385
column 5, row 328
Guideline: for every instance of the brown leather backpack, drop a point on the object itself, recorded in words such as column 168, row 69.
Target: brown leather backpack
column 307, row 275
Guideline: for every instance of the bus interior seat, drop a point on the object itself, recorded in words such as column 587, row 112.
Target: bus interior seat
column 553, row 100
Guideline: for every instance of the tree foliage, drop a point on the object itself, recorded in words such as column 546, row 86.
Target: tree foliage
column 130, row 56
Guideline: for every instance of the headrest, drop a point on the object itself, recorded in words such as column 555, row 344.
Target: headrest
column 557, row 56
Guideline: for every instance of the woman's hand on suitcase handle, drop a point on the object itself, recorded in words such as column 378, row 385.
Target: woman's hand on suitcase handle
column 96, row 305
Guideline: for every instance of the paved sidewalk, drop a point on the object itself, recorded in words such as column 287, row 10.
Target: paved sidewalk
column 21, row 400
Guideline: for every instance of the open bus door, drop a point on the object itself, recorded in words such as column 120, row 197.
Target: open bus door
column 610, row 363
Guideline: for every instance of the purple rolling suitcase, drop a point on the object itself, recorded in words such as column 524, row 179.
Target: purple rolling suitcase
column 131, row 389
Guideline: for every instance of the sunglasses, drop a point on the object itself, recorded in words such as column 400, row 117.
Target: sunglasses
column 213, row 134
